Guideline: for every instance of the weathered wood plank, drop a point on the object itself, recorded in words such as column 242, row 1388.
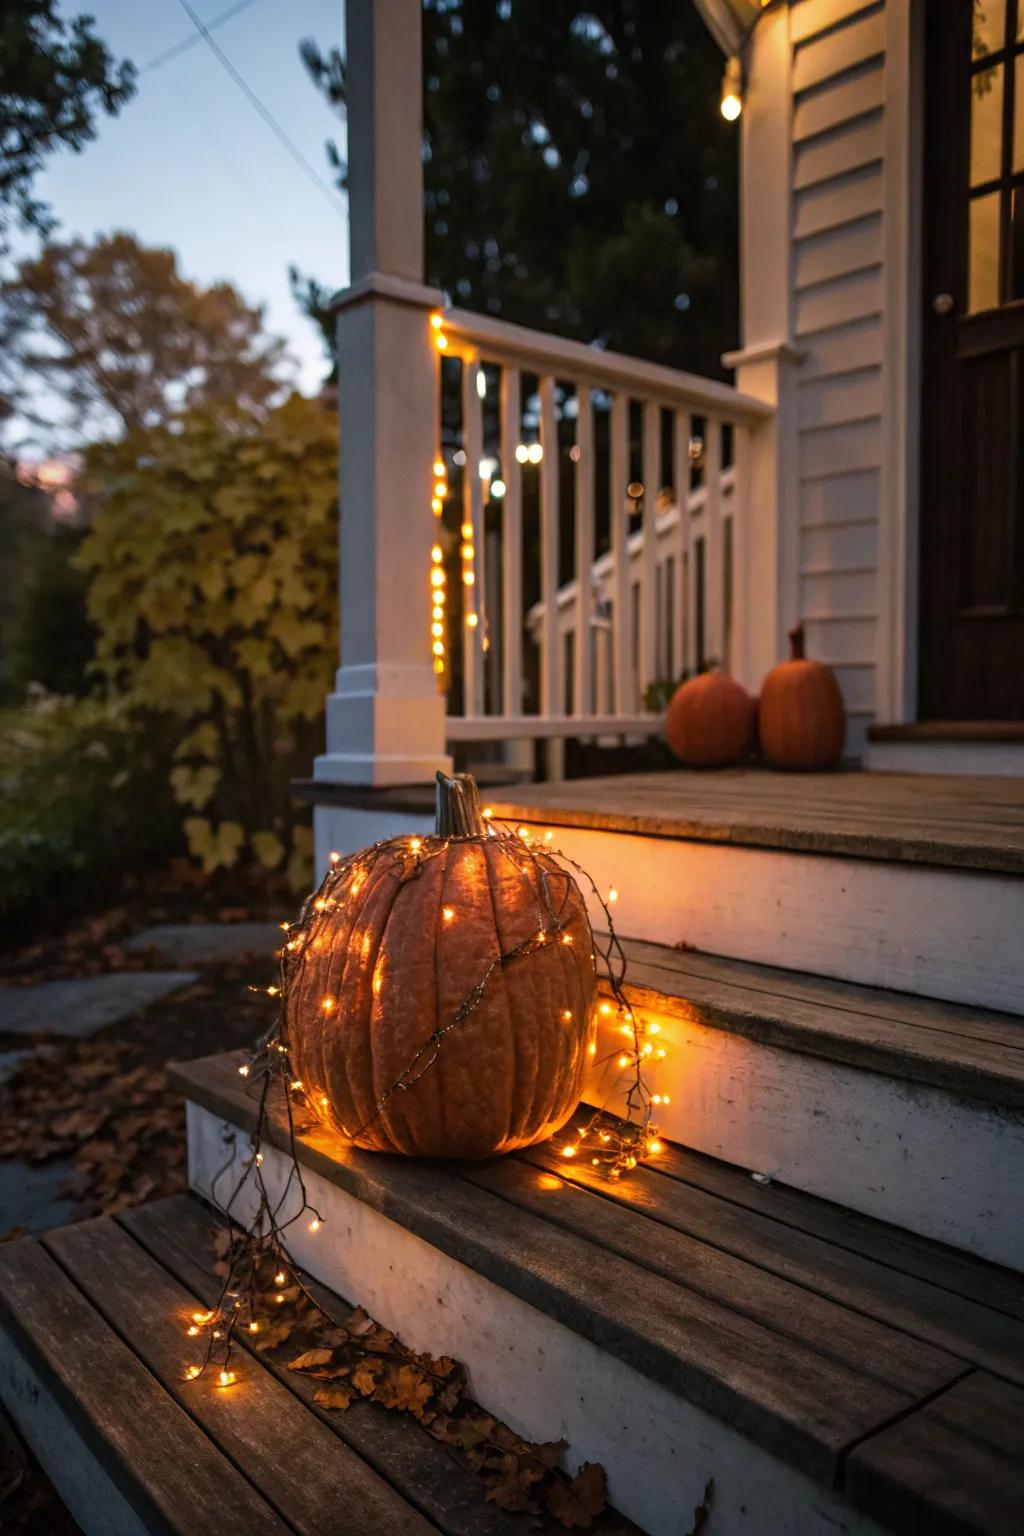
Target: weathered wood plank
column 951, row 1468
column 811, row 1321
column 955, row 1271
column 316, row 1484
column 765, row 1386
column 177, row 1233
column 913, row 818
column 977, row 1334
column 161, row 1465
column 968, row 1051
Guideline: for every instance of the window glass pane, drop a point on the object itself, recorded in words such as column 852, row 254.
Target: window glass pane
column 1015, row 281
column 989, row 30
column 986, row 124
column 983, row 269
column 1018, row 111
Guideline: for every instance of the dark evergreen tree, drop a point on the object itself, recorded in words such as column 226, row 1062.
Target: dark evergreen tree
column 579, row 178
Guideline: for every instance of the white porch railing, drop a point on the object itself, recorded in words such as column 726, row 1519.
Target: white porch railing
column 567, row 596
column 566, row 458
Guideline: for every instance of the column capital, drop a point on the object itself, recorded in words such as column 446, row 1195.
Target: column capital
column 385, row 285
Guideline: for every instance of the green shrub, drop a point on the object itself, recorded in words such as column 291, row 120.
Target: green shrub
column 214, row 593
column 83, row 792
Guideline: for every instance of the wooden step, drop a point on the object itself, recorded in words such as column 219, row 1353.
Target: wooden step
column 684, row 1326
column 92, row 1355
column 906, row 881
column 905, row 1108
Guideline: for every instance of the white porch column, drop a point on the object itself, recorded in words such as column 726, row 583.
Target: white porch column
column 385, row 719
column 767, row 364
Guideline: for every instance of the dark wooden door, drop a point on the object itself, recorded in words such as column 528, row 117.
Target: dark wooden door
column 972, row 455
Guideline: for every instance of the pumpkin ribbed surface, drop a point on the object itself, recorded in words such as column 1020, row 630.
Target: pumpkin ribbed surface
column 710, row 721
column 394, row 967
column 801, row 719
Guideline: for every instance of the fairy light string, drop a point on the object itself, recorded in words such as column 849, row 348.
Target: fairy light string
column 259, row 1270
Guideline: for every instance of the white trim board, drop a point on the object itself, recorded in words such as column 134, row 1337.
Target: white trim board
column 945, row 933
column 1004, row 759
column 921, row 1158
column 346, row 829
column 543, row 1379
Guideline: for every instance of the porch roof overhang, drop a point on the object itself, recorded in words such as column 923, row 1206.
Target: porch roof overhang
column 729, row 21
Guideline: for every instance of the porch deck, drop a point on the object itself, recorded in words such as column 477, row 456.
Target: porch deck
column 945, row 820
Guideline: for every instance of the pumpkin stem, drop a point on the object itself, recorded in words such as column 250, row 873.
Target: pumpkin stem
column 458, row 807
column 796, row 643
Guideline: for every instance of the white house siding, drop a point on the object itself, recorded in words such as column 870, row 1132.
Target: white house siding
column 837, row 304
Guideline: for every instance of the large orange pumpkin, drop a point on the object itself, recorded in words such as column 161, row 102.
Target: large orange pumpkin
column 440, row 992
column 801, row 720
column 710, row 721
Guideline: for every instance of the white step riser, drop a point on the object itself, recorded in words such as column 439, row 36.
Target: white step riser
column 937, row 932
column 952, row 934
column 1002, row 759
column 540, row 1377
column 916, row 1156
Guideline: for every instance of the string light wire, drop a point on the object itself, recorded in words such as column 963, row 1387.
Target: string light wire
column 264, row 111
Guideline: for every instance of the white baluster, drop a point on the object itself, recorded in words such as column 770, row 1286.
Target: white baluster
column 714, row 628
column 583, row 685
column 738, row 660
column 618, row 475
column 681, row 432
column 472, row 533
column 647, row 666
column 551, row 700
column 512, row 544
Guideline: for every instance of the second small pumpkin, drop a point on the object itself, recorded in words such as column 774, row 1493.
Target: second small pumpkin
column 801, row 720
column 710, row 721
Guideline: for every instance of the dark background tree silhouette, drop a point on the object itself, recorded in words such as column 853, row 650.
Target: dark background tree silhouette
column 56, row 78
column 578, row 176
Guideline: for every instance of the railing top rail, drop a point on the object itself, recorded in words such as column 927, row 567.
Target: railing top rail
column 537, row 352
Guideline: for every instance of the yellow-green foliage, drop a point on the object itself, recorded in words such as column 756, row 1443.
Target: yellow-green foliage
column 214, row 590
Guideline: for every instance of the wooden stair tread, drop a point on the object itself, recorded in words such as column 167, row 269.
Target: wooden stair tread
column 953, row 1466
column 100, row 1309
column 142, row 1437
column 791, row 1338
column 969, row 1051
column 937, row 819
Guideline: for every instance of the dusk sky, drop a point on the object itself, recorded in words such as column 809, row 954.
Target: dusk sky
column 189, row 163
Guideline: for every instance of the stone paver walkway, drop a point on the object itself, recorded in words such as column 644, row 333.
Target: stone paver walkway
column 207, row 943
column 84, row 1005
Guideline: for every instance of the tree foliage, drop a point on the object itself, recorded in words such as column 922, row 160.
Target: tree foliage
column 579, row 178
column 85, row 792
column 56, row 77
column 116, row 331
column 213, row 589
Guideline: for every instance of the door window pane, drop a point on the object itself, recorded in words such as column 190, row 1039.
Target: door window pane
column 1018, row 112
column 989, row 30
column 1015, row 277
column 986, row 124
column 983, row 270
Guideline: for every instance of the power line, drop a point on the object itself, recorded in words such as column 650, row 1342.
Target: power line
column 193, row 38
column 264, row 111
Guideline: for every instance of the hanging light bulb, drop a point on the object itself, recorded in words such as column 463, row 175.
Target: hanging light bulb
column 731, row 104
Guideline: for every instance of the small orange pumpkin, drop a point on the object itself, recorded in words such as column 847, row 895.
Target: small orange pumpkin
column 801, row 720
column 710, row 721
column 387, row 954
